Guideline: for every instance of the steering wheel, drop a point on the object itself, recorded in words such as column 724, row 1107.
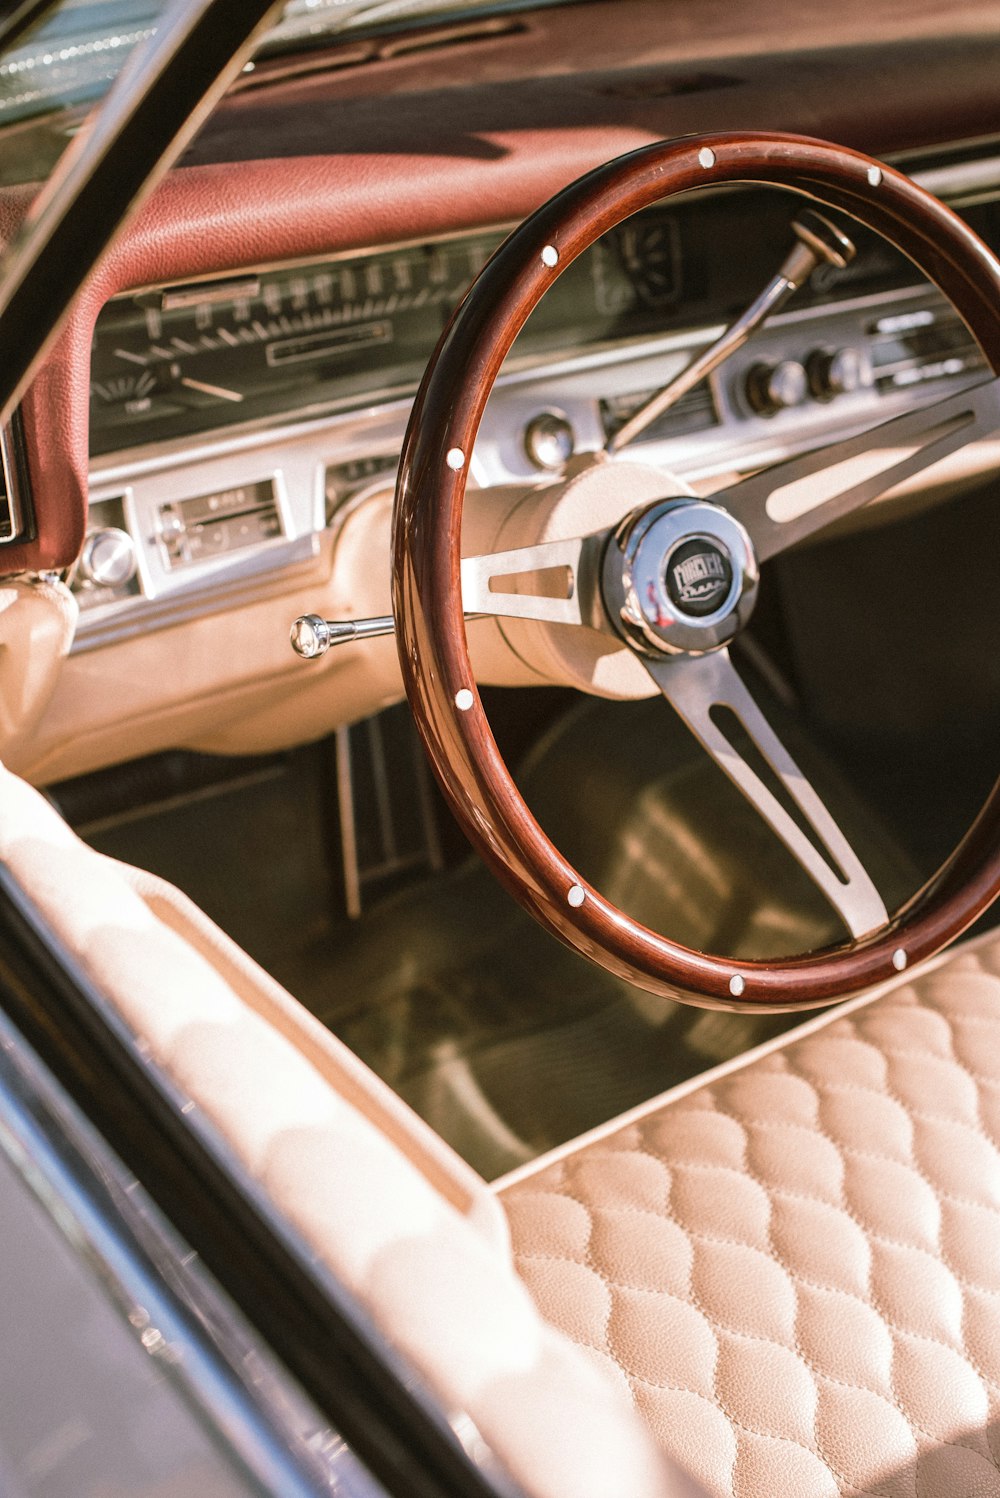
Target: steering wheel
column 676, row 580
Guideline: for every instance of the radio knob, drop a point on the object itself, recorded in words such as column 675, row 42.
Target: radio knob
column 108, row 558
column 842, row 371
column 776, row 387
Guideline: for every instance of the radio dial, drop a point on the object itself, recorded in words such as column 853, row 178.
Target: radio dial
column 108, row 558
column 776, row 387
column 842, row 371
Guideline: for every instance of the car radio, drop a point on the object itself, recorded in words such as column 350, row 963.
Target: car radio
column 191, row 530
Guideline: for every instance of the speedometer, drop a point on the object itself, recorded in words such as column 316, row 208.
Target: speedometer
column 194, row 357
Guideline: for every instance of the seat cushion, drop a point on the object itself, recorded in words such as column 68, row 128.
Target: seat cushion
column 412, row 1234
column 795, row 1265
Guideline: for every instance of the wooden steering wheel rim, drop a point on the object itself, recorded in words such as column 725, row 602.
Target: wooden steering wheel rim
column 426, row 563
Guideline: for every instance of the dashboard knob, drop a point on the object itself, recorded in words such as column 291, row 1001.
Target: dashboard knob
column 841, row 371
column 108, row 558
column 549, row 441
column 776, row 387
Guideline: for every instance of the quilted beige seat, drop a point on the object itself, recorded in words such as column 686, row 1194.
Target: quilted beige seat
column 790, row 1269
column 795, row 1263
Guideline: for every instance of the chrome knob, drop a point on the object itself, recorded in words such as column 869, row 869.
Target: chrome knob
column 841, row 371
column 108, row 558
column 310, row 636
column 549, row 441
column 776, row 387
column 824, row 238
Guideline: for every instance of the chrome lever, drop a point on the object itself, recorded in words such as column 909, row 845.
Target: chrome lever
column 817, row 241
column 312, row 636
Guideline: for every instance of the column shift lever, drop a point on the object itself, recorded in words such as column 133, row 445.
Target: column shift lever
column 817, row 240
column 312, row 635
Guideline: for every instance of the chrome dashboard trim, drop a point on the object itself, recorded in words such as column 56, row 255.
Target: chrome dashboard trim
column 330, row 257
column 12, row 487
column 962, row 182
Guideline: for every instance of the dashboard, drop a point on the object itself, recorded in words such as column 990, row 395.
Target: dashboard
column 233, row 419
column 210, row 444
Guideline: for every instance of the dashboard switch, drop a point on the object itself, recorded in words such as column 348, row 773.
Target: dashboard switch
column 842, row 371
column 108, row 558
column 549, row 441
column 776, row 387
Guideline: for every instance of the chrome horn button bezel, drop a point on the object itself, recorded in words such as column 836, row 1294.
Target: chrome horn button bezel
column 635, row 577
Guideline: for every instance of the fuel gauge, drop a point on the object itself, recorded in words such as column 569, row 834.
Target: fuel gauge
column 119, row 399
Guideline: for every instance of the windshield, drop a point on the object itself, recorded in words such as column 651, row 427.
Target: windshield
column 70, row 60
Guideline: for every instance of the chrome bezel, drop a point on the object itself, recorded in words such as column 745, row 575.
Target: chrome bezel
column 12, row 487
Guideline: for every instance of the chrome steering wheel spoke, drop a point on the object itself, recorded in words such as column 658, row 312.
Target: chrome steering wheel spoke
column 784, row 504
column 695, row 686
column 554, row 582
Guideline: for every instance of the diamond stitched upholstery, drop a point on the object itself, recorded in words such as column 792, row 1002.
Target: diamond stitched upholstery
column 796, row 1266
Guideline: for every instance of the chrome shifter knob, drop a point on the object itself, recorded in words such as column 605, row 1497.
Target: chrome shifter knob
column 311, row 636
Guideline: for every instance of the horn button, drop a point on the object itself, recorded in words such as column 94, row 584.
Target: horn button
column 680, row 577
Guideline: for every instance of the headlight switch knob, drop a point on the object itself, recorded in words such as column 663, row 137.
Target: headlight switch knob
column 840, row 371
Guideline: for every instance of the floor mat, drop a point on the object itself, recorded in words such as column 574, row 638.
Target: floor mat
column 509, row 1043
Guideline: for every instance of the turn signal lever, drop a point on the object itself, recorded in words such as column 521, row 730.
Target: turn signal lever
column 817, row 241
column 312, row 636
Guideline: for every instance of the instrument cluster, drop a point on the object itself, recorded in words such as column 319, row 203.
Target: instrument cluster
column 177, row 360
column 174, row 361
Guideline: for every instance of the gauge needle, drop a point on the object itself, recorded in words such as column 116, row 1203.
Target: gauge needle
column 216, row 390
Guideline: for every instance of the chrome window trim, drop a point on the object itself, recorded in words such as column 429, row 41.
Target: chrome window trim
column 160, row 1291
column 10, row 469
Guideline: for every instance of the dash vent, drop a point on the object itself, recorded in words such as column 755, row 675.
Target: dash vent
column 694, row 412
column 365, row 53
